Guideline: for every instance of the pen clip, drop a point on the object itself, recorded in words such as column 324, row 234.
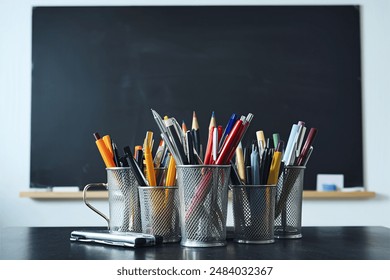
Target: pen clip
column 178, row 130
column 308, row 155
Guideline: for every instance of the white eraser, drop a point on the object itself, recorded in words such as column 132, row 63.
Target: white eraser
column 353, row 189
column 65, row 189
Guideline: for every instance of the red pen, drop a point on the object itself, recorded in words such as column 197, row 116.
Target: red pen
column 229, row 143
column 209, row 148
column 306, row 147
column 240, row 135
column 220, row 132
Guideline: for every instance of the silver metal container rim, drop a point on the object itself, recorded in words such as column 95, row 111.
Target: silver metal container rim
column 203, row 165
column 294, row 167
column 158, row 187
column 131, row 168
column 118, row 168
column 252, row 186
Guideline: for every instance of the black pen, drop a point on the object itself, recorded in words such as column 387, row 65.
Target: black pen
column 190, row 146
column 116, row 154
column 235, row 178
column 247, row 163
column 123, row 161
column 139, row 157
column 269, row 152
column 137, row 171
column 165, row 157
column 195, row 133
column 262, row 164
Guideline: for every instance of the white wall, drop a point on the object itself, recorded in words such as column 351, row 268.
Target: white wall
column 15, row 110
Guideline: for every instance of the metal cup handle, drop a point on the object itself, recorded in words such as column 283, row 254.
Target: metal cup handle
column 92, row 207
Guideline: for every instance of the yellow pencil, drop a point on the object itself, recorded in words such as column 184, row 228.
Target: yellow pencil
column 240, row 162
column 171, row 174
column 150, row 174
column 274, row 170
column 260, row 141
column 149, row 139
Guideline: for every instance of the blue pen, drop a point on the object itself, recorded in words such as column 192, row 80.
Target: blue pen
column 254, row 194
column 228, row 129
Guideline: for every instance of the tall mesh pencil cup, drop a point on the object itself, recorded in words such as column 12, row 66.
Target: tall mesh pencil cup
column 253, row 213
column 123, row 200
column 160, row 212
column 203, row 195
column 288, row 211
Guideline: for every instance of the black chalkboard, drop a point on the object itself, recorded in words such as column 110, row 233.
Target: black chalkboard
column 103, row 69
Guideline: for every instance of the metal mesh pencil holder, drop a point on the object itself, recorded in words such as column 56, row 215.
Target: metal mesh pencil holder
column 123, row 198
column 203, row 195
column 288, row 211
column 160, row 212
column 253, row 213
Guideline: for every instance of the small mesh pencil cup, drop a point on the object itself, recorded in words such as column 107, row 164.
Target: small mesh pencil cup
column 160, row 212
column 253, row 213
column 123, row 199
column 288, row 211
column 203, row 194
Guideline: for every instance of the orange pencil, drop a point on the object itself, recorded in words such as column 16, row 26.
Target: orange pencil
column 104, row 151
column 184, row 127
column 107, row 141
column 150, row 174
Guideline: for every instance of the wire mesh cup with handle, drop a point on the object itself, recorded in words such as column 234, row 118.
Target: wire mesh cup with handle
column 123, row 200
column 160, row 212
column 203, row 195
column 253, row 213
column 288, row 211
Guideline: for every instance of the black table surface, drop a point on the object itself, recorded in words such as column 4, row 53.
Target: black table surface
column 317, row 243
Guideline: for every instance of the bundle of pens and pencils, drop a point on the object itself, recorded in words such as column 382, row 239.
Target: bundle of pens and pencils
column 177, row 146
column 290, row 182
column 186, row 148
column 262, row 164
column 258, row 164
column 159, row 170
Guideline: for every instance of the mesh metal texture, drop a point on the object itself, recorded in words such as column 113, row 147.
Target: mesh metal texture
column 160, row 212
column 203, row 191
column 288, row 215
column 123, row 199
column 253, row 213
